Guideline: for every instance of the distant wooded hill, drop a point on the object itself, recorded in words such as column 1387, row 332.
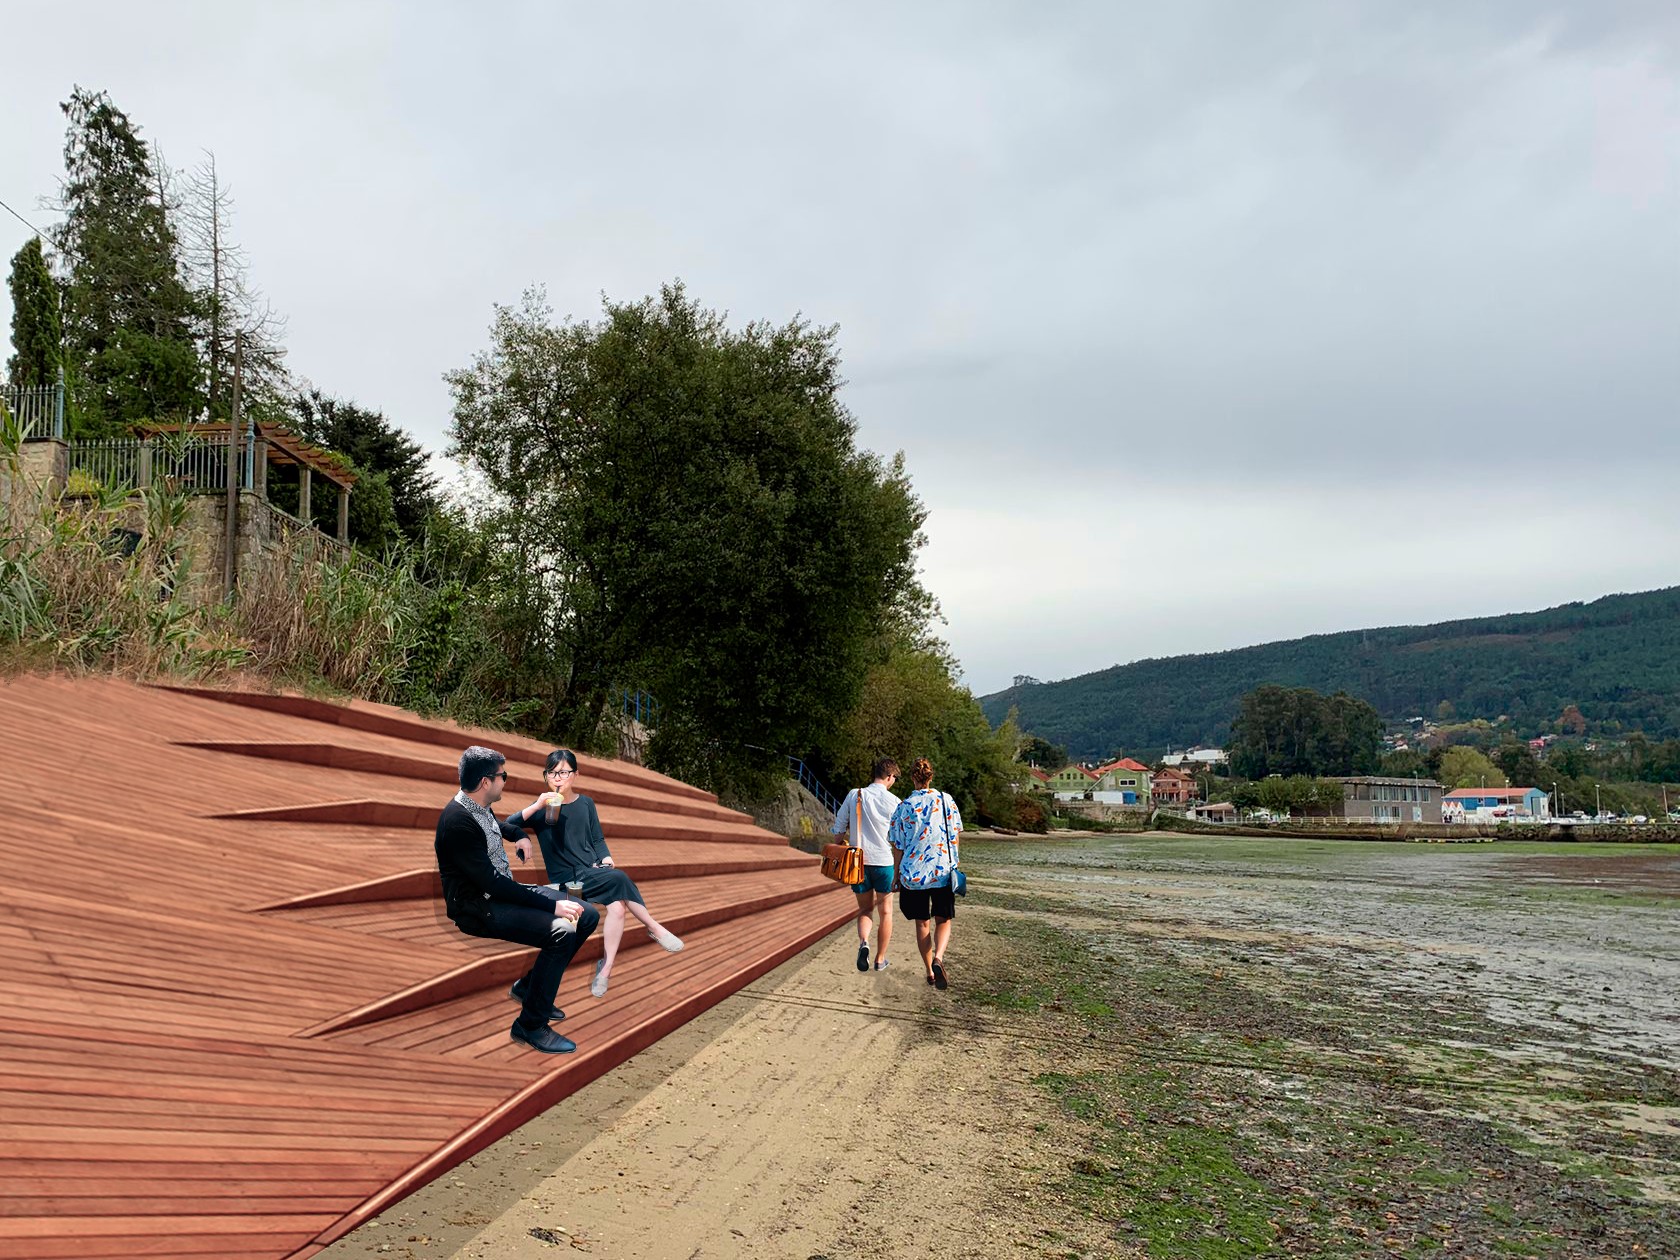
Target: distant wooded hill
column 1616, row 658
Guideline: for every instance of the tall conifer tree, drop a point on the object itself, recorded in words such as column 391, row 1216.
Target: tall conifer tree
column 128, row 321
column 35, row 326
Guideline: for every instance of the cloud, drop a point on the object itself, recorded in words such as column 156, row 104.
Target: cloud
column 1216, row 263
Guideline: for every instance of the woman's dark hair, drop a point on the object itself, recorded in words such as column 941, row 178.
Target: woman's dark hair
column 478, row 763
column 557, row 756
column 921, row 772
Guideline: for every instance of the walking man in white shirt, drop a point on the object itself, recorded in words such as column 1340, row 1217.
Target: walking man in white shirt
column 864, row 817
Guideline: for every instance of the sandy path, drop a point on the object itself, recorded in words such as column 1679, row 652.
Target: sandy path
column 821, row 1112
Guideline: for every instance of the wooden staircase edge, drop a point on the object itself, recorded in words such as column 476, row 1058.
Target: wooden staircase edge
column 505, row 966
column 563, row 1081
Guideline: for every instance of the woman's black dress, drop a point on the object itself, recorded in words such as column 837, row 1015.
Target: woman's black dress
column 573, row 846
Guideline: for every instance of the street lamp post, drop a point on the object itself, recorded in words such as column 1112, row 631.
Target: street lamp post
column 1598, row 805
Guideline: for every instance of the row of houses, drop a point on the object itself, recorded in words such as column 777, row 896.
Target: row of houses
column 1365, row 798
column 1122, row 782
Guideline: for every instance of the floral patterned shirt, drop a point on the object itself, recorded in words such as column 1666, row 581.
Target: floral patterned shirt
column 924, row 828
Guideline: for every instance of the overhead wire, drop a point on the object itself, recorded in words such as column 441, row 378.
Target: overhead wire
column 46, row 236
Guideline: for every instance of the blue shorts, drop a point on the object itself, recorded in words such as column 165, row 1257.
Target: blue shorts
column 875, row 879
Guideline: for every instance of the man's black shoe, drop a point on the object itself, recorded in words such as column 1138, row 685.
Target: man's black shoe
column 517, row 993
column 544, row 1039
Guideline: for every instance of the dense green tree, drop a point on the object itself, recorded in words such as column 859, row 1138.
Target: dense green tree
column 1296, row 794
column 36, row 334
column 1043, row 754
column 911, row 705
column 1350, row 736
column 128, row 317
column 1407, row 764
column 1287, row 731
column 1468, row 767
column 376, row 448
column 694, row 495
column 1519, row 765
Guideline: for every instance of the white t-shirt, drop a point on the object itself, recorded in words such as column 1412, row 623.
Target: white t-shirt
column 878, row 806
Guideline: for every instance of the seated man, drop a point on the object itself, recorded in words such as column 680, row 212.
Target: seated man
column 483, row 899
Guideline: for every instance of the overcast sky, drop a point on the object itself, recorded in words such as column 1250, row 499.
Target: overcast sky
column 1199, row 324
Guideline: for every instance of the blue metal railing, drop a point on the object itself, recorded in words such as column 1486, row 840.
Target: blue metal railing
column 639, row 705
column 813, row 785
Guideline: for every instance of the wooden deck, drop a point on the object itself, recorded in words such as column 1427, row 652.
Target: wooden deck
column 233, row 1018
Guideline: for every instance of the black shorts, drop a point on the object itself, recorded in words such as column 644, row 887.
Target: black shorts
column 925, row 903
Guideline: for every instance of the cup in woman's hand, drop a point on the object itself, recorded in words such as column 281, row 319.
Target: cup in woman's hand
column 551, row 808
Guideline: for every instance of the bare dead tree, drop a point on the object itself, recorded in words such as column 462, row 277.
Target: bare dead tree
column 218, row 272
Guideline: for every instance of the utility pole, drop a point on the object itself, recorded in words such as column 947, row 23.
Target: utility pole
column 230, row 565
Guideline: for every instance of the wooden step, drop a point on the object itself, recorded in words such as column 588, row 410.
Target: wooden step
column 435, row 771
column 621, row 822
column 156, row 1097
column 693, row 904
column 359, row 715
column 672, row 862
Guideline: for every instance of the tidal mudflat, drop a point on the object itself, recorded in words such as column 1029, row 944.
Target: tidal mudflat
column 1269, row 1047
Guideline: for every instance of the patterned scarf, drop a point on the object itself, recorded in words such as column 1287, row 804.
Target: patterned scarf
column 492, row 831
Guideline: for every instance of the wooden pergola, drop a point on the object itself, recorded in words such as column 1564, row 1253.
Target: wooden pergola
column 276, row 444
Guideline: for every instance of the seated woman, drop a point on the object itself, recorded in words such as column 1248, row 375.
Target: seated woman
column 574, row 849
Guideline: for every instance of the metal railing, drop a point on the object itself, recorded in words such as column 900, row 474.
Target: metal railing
column 38, row 409
column 282, row 527
column 640, row 706
column 813, row 785
column 196, row 465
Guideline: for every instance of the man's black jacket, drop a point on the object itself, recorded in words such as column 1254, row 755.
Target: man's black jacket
column 470, row 881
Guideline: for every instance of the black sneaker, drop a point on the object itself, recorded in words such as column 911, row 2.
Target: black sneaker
column 938, row 974
column 863, row 956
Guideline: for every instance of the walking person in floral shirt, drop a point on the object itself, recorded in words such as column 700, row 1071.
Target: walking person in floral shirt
column 925, row 829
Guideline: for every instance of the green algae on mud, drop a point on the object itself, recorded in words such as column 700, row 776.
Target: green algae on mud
column 1305, row 1047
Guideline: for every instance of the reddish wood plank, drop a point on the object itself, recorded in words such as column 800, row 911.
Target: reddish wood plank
column 154, row 1096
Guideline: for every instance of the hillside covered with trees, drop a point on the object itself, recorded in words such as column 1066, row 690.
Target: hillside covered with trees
column 1616, row 659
